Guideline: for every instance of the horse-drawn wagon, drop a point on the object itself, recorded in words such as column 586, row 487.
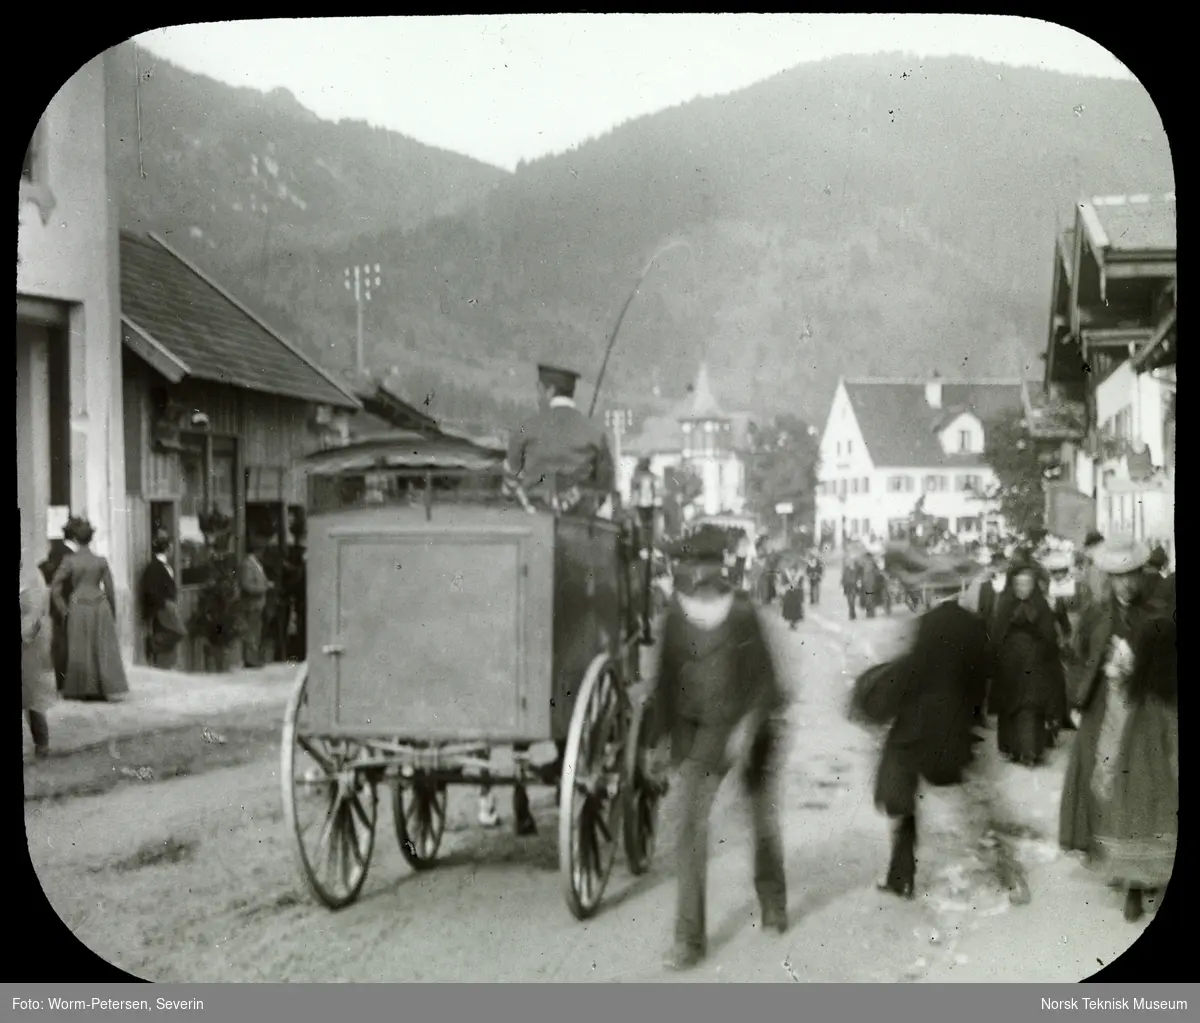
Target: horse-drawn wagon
column 447, row 622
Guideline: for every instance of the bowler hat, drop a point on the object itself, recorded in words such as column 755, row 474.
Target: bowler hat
column 705, row 546
column 1122, row 556
column 1093, row 539
column 1158, row 558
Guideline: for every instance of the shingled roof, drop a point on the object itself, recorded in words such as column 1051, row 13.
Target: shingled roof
column 186, row 325
column 1127, row 225
column 900, row 429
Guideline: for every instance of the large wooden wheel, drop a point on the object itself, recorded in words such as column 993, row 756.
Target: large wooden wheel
column 329, row 805
column 589, row 810
column 419, row 811
column 640, row 796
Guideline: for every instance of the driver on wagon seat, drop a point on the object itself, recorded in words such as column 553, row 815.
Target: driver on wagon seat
column 558, row 458
column 559, row 452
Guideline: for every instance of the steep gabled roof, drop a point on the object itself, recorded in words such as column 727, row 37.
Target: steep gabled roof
column 186, row 325
column 900, row 429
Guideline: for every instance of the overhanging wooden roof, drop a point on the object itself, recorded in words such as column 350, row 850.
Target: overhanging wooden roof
column 180, row 321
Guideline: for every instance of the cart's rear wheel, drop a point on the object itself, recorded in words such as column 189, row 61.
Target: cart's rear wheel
column 640, row 796
column 419, row 810
column 330, row 806
column 589, row 816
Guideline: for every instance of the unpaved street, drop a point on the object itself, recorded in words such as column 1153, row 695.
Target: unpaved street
column 193, row 879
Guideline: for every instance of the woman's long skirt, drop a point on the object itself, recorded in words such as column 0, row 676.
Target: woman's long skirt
column 1022, row 734
column 793, row 605
column 94, row 667
column 1121, row 792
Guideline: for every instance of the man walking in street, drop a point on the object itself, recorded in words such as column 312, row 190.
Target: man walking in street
column 716, row 683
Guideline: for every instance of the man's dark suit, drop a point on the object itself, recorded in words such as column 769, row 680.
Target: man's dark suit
column 710, row 683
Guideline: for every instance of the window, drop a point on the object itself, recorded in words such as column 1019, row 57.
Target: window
column 899, row 484
column 208, row 474
column 969, row 483
column 969, row 524
column 841, row 488
column 964, row 440
column 866, row 527
column 854, row 485
column 839, row 447
column 935, row 484
column 849, row 446
column 866, row 484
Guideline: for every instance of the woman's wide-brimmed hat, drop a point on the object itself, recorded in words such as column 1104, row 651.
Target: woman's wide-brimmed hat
column 1121, row 556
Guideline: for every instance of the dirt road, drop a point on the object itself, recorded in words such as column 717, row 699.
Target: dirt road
column 192, row 878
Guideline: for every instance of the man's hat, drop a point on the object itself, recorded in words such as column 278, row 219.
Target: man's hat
column 705, row 546
column 1093, row 539
column 998, row 560
column 556, row 376
column 1158, row 558
column 1122, row 556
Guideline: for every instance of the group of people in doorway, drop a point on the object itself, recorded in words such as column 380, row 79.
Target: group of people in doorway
column 1008, row 650
column 69, row 644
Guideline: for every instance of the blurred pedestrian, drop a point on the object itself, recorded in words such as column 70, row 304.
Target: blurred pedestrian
column 255, row 585
column 1094, row 587
column 1120, row 800
column 793, row 594
column 1027, row 671
column 37, row 670
column 94, row 667
column 814, row 568
column 165, row 629
column 60, row 548
column 852, row 583
column 717, row 684
column 927, row 697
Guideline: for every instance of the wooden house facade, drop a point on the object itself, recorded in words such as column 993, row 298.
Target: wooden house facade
column 219, row 411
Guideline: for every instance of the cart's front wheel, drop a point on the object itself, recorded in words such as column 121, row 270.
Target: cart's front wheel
column 640, row 796
column 329, row 805
column 589, row 810
column 419, row 810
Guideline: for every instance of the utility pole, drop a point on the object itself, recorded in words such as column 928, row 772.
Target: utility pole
column 360, row 280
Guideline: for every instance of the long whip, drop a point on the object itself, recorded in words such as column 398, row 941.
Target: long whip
column 612, row 339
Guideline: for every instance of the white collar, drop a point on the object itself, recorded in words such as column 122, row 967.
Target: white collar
column 558, row 401
column 71, row 545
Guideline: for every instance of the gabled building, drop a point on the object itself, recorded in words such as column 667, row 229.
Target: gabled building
column 219, row 412
column 1109, row 374
column 699, row 434
column 889, row 443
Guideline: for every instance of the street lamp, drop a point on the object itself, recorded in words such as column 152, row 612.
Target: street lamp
column 360, row 279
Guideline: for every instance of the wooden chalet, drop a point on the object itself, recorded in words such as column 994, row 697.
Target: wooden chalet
column 1099, row 416
column 219, row 412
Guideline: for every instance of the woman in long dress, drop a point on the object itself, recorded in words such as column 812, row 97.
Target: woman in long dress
column 1028, row 671
column 37, row 671
column 793, row 595
column 1120, row 802
column 94, row 667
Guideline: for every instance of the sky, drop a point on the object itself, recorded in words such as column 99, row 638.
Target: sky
column 503, row 88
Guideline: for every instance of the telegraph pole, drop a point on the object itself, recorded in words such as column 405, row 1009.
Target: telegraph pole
column 360, row 280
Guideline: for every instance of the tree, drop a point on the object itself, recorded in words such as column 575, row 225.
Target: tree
column 782, row 466
column 1020, row 483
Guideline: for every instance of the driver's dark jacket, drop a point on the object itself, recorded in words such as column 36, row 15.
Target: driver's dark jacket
column 560, row 447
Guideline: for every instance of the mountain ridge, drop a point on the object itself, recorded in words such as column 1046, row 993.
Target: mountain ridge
column 848, row 217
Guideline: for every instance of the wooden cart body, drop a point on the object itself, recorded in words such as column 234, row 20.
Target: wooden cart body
column 459, row 622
